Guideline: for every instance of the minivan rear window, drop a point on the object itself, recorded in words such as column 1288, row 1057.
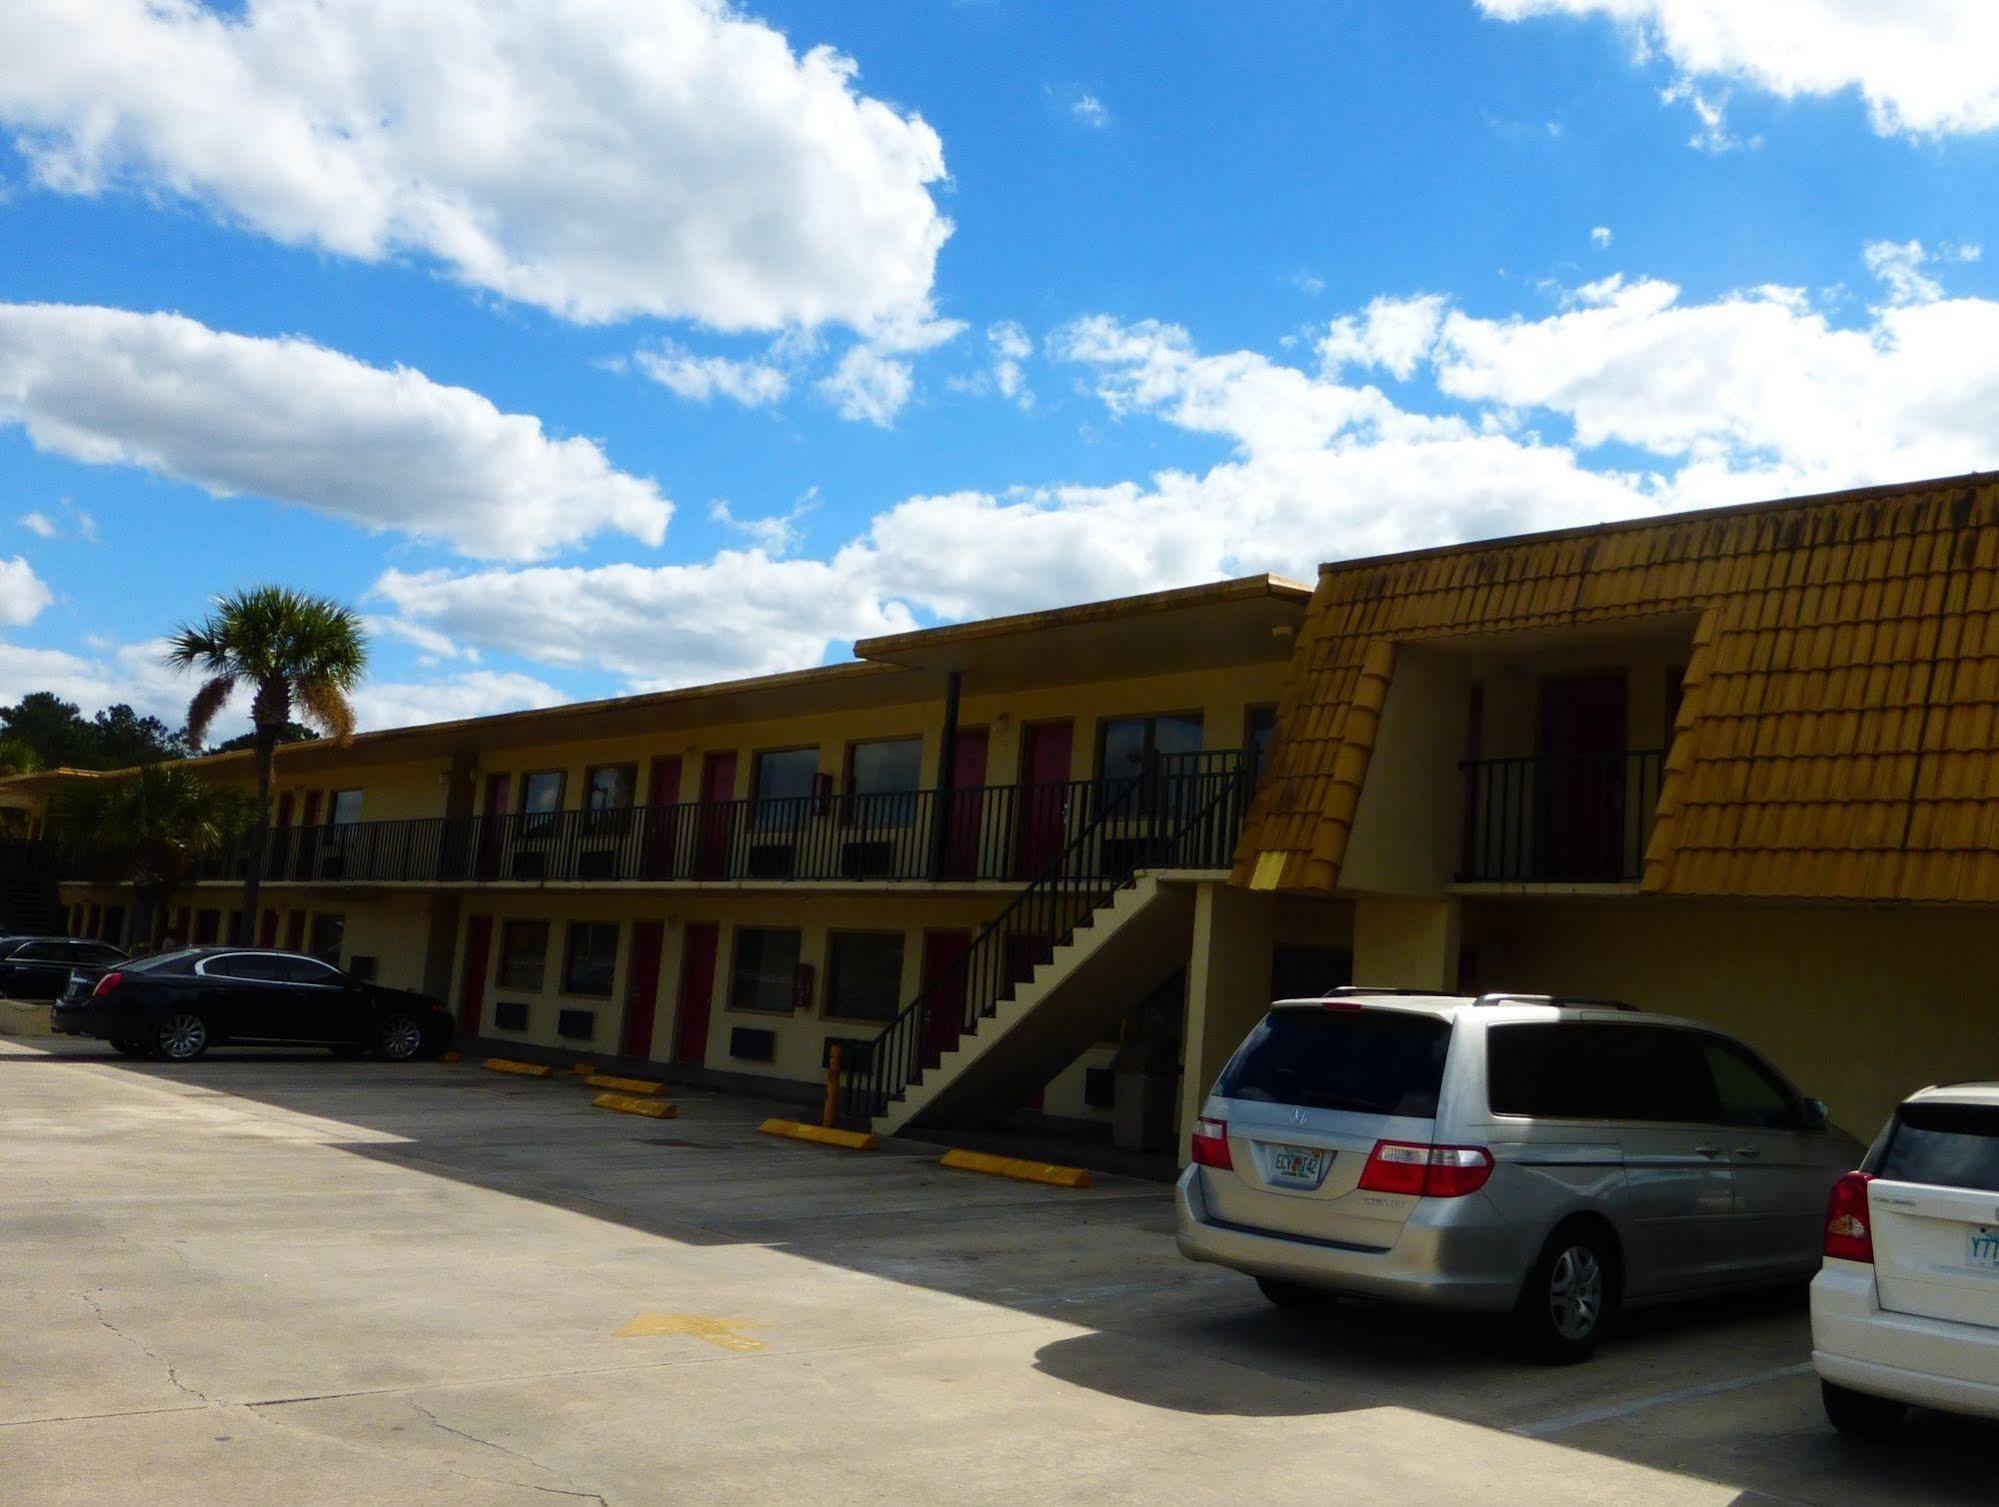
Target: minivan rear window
column 1945, row 1146
column 1380, row 1062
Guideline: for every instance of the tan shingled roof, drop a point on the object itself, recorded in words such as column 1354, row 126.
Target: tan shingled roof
column 1839, row 732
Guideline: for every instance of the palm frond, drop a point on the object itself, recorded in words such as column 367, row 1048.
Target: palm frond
column 325, row 706
column 207, row 703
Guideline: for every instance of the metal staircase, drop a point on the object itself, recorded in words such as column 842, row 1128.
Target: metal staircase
column 1007, row 1008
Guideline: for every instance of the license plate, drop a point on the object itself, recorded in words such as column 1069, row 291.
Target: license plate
column 1984, row 1247
column 1305, row 1164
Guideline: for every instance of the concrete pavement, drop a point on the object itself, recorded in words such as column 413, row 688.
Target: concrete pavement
column 268, row 1278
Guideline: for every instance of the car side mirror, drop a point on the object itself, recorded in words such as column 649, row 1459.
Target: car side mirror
column 1814, row 1115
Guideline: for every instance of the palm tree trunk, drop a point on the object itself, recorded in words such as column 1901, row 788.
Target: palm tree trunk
column 260, row 833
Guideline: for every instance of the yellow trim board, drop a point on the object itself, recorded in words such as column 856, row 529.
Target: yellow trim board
column 822, row 1135
column 1012, row 1166
column 624, row 1085
column 525, row 1069
column 625, row 1104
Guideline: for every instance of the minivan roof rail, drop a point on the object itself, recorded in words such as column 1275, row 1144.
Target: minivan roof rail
column 1560, row 1001
column 1349, row 991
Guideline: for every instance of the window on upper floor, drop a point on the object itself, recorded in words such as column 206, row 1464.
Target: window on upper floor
column 608, row 789
column 786, row 779
column 1149, row 753
column 1260, row 727
column 541, row 799
column 345, row 809
column 881, row 780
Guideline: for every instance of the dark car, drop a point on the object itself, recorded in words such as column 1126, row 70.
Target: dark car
column 177, row 1005
column 41, row 967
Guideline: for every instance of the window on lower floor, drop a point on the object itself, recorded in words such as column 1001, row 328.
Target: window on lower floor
column 590, row 961
column 328, row 931
column 864, row 975
column 523, row 955
column 766, row 968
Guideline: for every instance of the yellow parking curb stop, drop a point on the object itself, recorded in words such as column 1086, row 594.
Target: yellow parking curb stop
column 525, row 1069
column 822, row 1135
column 1052, row 1173
column 625, row 1085
column 625, row 1104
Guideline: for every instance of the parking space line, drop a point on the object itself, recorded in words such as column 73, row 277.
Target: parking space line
column 1562, row 1422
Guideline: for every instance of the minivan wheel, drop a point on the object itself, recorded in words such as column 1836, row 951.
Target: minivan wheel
column 398, row 1037
column 1294, row 1294
column 1858, row 1414
column 1568, row 1296
column 182, row 1036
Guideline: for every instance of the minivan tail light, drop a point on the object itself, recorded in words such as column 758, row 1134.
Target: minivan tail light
column 1421, row 1171
column 1849, row 1231
column 106, row 984
column 1211, row 1144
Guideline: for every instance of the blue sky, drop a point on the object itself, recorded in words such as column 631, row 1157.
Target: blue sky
column 598, row 346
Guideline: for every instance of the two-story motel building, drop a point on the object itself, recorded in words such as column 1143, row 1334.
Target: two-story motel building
column 1741, row 765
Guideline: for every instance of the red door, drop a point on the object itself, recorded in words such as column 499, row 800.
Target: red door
column 1044, row 778
column 697, row 990
column 965, row 844
column 295, row 931
column 718, row 792
column 278, row 846
column 942, row 952
column 492, row 830
column 306, row 850
column 1580, row 791
column 642, row 992
column 267, row 936
column 472, row 984
column 662, row 807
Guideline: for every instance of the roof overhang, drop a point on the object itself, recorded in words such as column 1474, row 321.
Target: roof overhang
column 1249, row 620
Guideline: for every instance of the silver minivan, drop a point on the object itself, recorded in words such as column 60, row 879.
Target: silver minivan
column 1553, row 1158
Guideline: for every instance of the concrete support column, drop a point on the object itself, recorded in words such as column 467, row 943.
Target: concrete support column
column 1228, row 987
column 1406, row 944
column 440, row 953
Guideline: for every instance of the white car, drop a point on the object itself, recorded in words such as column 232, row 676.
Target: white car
column 1906, row 1307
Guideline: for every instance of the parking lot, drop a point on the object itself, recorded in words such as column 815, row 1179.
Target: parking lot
column 270, row 1278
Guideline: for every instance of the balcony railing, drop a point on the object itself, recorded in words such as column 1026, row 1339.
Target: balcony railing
column 990, row 833
column 1559, row 819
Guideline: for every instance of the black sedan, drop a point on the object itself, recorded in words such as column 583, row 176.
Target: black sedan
column 177, row 1005
column 41, row 967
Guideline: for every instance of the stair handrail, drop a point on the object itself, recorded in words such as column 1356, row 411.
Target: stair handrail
column 892, row 1060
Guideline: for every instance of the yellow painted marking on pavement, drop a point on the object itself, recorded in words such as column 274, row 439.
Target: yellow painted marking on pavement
column 1052, row 1173
column 525, row 1069
column 626, row 1104
column 717, row 1332
column 625, row 1085
column 821, row 1135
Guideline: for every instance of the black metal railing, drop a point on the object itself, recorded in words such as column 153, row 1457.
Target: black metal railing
column 1203, row 818
column 1003, row 833
column 1559, row 818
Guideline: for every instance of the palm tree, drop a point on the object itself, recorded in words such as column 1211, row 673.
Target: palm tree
column 292, row 650
column 149, row 827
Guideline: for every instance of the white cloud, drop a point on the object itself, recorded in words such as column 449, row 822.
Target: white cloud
column 135, row 674
column 46, row 526
column 1923, row 66
column 40, row 525
column 1090, row 111
column 598, row 158
column 1394, row 333
column 293, row 421
column 1898, row 266
column 868, row 386
column 700, row 378
column 1010, row 347
column 1711, row 132
column 741, row 613
column 23, row 594
column 776, row 534
column 1600, row 237
column 451, row 698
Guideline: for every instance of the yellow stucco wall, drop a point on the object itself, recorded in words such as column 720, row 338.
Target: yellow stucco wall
column 1858, row 1005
